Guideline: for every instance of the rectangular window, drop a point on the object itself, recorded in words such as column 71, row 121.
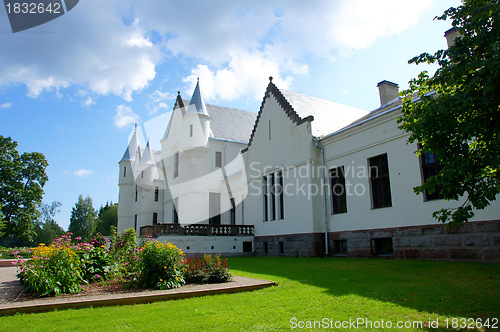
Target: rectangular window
column 157, row 193
column 214, row 208
column 264, row 197
column 273, row 197
column 266, row 248
column 135, row 223
column 155, row 218
column 136, row 193
column 281, row 198
column 124, row 171
column 176, row 164
column 340, row 247
column 382, row 246
column 233, row 212
column 269, row 129
column 337, row 190
column 218, row 159
column 281, row 248
column 190, row 130
column 430, row 167
column 380, row 184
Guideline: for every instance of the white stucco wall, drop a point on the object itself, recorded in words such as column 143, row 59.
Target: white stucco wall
column 352, row 148
column 292, row 151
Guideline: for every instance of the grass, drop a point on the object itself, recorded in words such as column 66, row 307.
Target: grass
column 309, row 289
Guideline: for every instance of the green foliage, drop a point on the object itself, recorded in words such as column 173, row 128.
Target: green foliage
column 52, row 270
column 47, row 229
column 83, row 216
column 96, row 263
column 106, row 219
column 161, row 265
column 457, row 111
column 22, row 178
column 209, row 269
column 123, row 250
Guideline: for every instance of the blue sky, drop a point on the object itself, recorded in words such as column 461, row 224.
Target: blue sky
column 73, row 88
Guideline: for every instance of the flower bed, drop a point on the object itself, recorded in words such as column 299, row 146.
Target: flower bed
column 66, row 265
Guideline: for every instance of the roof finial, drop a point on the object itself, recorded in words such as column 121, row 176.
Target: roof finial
column 270, row 79
column 135, row 129
column 198, row 79
column 178, row 93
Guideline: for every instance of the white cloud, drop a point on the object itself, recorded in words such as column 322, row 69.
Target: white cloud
column 83, row 173
column 6, row 105
column 246, row 75
column 92, row 49
column 236, row 45
column 124, row 116
column 88, row 102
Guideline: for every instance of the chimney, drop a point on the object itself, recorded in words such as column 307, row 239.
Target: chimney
column 388, row 91
column 450, row 35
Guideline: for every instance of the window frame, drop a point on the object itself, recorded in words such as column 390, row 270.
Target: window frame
column 380, row 183
column 336, row 199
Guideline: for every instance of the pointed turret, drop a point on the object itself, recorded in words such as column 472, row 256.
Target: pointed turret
column 197, row 104
column 133, row 147
column 148, row 171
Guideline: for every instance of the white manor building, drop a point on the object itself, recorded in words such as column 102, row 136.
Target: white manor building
column 302, row 177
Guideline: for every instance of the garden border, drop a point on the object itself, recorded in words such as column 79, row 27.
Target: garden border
column 237, row 285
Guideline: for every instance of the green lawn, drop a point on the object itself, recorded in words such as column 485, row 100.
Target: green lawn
column 309, row 289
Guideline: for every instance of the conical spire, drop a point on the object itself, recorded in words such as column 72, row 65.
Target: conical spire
column 197, row 104
column 147, row 158
column 132, row 148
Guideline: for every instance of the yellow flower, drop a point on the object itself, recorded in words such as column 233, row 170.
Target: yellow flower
column 164, row 267
column 161, row 280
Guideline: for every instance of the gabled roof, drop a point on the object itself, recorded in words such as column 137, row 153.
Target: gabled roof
column 328, row 116
column 230, row 123
column 325, row 116
column 132, row 148
column 226, row 123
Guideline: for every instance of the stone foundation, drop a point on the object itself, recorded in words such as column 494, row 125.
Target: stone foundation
column 478, row 241
column 291, row 245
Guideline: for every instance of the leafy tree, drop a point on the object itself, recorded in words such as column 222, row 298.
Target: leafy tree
column 456, row 114
column 22, row 178
column 107, row 218
column 83, row 216
column 47, row 228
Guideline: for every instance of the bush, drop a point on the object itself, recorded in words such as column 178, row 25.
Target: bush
column 209, row 269
column 52, row 270
column 161, row 265
column 125, row 253
column 95, row 259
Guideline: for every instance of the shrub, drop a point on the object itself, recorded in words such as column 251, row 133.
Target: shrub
column 161, row 265
column 209, row 269
column 52, row 270
column 124, row 253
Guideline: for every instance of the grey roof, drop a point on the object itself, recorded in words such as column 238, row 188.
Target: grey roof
column 230, row 123
column 328, row 116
